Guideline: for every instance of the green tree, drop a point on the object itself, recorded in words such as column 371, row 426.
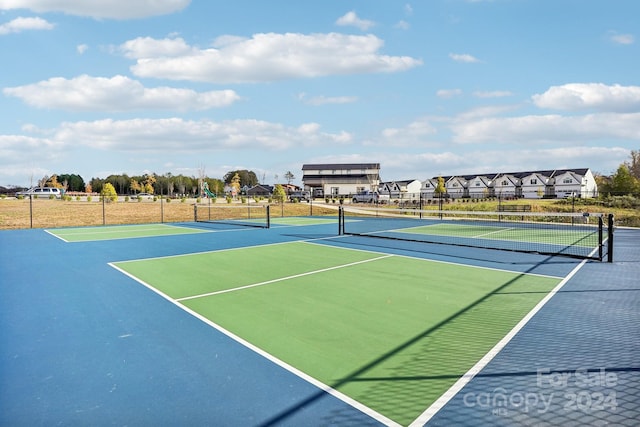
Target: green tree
column 279, row 195
column 623, row 182
column 74, row 182
column 96, row 184
column 247, row 178
column 109, row 192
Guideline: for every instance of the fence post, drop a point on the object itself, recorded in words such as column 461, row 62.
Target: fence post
column 31, row 210
column 610, row 238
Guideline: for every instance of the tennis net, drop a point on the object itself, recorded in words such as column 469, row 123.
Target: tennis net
column 575, row 235
column 246, row 215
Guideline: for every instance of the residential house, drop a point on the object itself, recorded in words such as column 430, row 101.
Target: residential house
column 457, row 187
column 341, row 179
column 480, row 186
column 575, row 183
column 406, row 190
column 260, row 190
column 537, row 185
column 429, row 188
column 507, row 185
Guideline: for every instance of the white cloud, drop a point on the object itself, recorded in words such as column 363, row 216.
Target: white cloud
column 147, row 47
column 402, row 25
column 583, row 96
column 82, row 48
column 178, row 136
column 463, row 57
column 414, row 134
column 548, row 128
column 264, row 57
column 621, row 38
column 18, row 25
column 448, row 93
column 118, row 93
column 492, row 94
column 112, row 9
column 408, row 9
column 324, row 100
column 351, row 19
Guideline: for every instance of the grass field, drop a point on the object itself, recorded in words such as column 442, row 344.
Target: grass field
column 16, row 214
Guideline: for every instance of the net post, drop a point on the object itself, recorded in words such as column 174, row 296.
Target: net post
column 268, row 213
column 600, row 244
column 340, row 221
column 610, row 238
column 195, row 212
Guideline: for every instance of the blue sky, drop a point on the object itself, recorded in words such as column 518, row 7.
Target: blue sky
column 425, row 88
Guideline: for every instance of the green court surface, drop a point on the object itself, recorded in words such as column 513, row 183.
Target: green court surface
column 586, row 238
column 111, row 232
column 390, row 332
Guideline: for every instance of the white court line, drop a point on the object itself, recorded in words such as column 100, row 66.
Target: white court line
column 268, row 356
column 280, row 279
column 471, row 373
column 492, row 232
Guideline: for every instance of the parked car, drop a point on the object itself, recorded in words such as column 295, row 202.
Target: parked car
column 370, row 197
column 42, row 193
column 302, row 196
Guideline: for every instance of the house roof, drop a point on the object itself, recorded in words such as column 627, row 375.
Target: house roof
column 261, row 187
column 549, row 173
column 341, row 166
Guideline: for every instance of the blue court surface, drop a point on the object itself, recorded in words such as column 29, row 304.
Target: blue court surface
column 87, row 340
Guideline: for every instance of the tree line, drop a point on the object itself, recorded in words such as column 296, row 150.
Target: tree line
column 625, row 181
column 152, row 183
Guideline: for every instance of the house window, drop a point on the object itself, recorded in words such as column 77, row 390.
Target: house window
column 534, row 181
column 477, row 184
column 427, row 185
column 504, row 183
column 567, row 181
column 455, row 184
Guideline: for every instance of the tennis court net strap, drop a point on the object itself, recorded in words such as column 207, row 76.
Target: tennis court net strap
column 241, row 215
column 575, row 235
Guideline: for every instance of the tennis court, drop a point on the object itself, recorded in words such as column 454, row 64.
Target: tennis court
column 298, row 325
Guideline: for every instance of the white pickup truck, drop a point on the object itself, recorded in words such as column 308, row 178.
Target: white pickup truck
column 370, row 197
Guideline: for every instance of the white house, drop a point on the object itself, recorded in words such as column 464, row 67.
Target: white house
column 342, row 179
column 536, row 185
column 575, row 183
column 531, row 185
column 402, row 190
column 507, row 185
column 456, row 187
column 480, row 187
column 428, row 189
